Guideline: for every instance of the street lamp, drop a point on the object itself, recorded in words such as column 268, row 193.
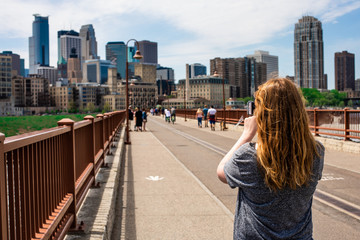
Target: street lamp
column 136, row 56
column 223, row 88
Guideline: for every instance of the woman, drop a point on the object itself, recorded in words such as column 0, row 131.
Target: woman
column 138, row 121
column 276, row 176
column 199, row 116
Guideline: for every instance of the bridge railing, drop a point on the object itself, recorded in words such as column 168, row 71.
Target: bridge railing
column 342, row 124
column 45, row 175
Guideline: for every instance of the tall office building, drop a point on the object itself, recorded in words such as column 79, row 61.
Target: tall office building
column 67, row 40
column 116, row 53
column 49, row 73
column 39, row 43
column 16, row 62
column 309, row 53
column 149, row 51
column 272, row 62
column 88, row 43
column 344, row 71
column 196, row 69
column 357, row 84
column 244, row 74
column 74, row 73
column 5, row 73
column 96, row 71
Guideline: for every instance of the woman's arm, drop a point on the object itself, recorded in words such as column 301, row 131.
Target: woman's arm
column 250, row 128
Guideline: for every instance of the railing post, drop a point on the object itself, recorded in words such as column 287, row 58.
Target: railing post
column 70, row 165
column 346, row 124
column 3, row 193
column 92, row 147
column 315, row 122
column 102, row 135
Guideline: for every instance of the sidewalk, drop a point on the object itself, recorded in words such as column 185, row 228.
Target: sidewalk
column 163, row 200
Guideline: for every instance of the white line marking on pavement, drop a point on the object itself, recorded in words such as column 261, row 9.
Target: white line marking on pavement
column 336, row 207
column 226, row 210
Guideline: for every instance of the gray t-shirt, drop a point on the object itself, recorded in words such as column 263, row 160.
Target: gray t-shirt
column 264, row 214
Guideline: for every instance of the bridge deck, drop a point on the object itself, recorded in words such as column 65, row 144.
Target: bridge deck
column 166, row 192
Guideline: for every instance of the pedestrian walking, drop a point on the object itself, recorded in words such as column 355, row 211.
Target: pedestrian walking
column 212, row 112
column 173, row 115
column 144, row 119
column 167, row 115
column 277, row 176
column 131, row 117
column 205, row 111
column 199, row 116
column 138, row 119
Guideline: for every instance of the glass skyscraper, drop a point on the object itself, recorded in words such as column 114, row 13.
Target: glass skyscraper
column 309, row 53
column 39, row 43
column 196, row 69
column 116, row 53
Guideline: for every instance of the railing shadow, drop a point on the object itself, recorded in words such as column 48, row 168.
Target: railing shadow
column 125, row 219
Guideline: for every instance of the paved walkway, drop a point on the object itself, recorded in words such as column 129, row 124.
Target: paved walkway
column 163, row 200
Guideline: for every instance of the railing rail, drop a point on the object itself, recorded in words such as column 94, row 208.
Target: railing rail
column 45, row 175
column 342, row 124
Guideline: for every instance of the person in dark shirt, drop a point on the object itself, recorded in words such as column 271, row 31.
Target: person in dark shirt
column 205, row 111
column 277, row 176
column 138, row 119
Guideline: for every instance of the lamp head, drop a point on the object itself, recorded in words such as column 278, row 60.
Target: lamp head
column 138, row 55
column 216, row 74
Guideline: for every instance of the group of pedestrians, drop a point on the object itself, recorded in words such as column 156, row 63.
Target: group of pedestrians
column 140, row 118
column 208, row 115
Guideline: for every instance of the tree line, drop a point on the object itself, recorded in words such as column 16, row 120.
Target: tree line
column 315, row 98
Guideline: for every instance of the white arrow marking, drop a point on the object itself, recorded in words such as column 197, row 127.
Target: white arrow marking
column 154, row 178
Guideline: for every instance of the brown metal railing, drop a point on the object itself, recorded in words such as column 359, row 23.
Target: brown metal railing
column 342, row 124
column 45, row 175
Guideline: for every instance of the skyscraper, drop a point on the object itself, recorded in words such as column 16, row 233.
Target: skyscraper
column 88, row 43
column 308, row 53
column 196, row 69
column 5, row 73
column 39, row 43
column 244, row 74
column 67, row 40
column 116, row 53
column 272, row 62
column 149, row 51
column 74, row 72
column 344, row 71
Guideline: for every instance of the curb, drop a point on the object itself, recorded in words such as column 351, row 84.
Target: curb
column 111, row 188
column 98, row 209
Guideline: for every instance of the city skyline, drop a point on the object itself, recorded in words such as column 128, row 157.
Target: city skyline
column 192, row 32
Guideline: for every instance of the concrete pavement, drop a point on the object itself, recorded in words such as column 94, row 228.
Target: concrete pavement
column 163, row 200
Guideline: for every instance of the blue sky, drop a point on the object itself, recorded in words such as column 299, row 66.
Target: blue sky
column 191, row 31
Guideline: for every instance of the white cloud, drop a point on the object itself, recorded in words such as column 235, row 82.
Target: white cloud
column 213, row 27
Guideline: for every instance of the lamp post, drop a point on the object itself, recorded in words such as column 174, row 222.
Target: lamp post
column 168, row 93
column 136, row 56
column 223, row 90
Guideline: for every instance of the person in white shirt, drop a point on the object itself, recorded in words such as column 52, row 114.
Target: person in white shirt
column 167, row 115
column 211, row 113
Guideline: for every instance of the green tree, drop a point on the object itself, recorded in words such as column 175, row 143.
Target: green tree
column 350, row 103
column 342, row 104
column 90, row 107
column 107, row 107
column 72, row 107
column 245, row 99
